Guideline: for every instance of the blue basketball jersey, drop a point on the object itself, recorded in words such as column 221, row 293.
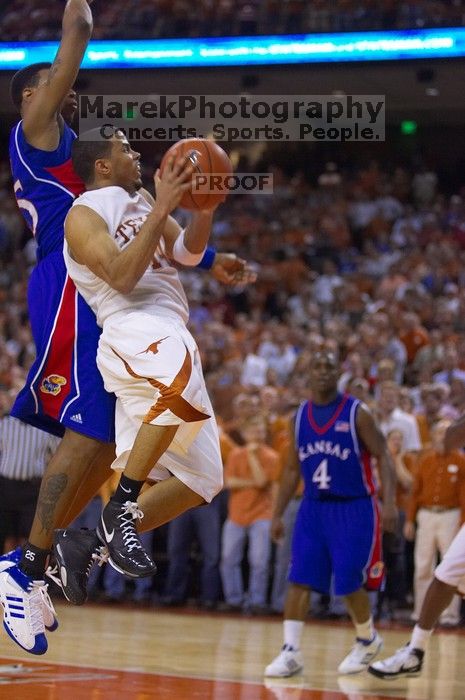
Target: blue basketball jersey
column 64, row 388
column 45, row 186
column 333, row 462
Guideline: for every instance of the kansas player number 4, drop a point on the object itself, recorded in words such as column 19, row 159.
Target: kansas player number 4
column 321, row 476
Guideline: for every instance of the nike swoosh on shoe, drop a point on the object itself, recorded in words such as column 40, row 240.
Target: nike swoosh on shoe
column 108, row 535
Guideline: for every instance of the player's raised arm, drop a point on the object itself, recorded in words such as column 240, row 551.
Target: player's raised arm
column 227, row 268
column 41, row 119
column 91, row 245
column 186, row 246
column 375, row 442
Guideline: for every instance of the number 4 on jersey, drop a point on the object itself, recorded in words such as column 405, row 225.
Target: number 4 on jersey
column 321, row 476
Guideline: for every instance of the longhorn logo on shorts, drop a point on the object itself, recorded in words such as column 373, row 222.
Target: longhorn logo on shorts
column 170, row 395
column 153, row 347
column 52, row 384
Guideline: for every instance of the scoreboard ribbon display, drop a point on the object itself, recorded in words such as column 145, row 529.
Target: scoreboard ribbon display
column 261, row 50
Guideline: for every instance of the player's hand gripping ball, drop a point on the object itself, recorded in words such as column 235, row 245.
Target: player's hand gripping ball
column 211, row 170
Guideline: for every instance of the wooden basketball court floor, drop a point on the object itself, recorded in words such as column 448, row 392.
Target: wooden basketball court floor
column 108, row 653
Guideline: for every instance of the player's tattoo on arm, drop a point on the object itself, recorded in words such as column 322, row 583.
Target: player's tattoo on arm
column 49, row 495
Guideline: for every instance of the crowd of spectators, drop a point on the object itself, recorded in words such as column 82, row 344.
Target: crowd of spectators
column 22, row 20
column 371, row 261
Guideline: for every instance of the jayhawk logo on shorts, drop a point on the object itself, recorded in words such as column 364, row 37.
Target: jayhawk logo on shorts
column 52, row 384
column 377, row 569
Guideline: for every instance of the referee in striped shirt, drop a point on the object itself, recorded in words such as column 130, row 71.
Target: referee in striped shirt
column 24, row 452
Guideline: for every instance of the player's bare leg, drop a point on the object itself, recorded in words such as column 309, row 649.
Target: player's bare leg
column 150, row 443
column 438, row 597
column 408, row 661
column 296, row 607
column 368, row 642
column 158, row 504
column 24, row 580
column 83, row 545
column 97, row 473
column 117, row 527
column 297, row 603
column 62, row 488
column 164, row 501
column 358, row 606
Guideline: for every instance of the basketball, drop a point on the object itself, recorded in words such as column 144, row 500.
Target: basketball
column 208, row 158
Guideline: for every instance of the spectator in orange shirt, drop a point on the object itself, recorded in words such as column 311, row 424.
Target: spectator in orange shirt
column 283, row 547
column 413, row 335
column 244, row 406
column 404, row 465
column 227, row 444
column 251, row 473
column 432, row 398
column 394, row 545
column 437, row 504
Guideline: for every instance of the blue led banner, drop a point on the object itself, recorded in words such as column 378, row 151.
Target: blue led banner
column 238, row 51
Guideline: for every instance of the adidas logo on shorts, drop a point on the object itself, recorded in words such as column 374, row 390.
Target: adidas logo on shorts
column 77, row 418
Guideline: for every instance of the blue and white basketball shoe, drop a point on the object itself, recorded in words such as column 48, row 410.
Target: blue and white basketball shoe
column 27, row 608
column 23, row 600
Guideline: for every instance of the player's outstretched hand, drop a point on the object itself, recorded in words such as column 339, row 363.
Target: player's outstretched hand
column 175, row 180
column 229, row 269
column 277, row 529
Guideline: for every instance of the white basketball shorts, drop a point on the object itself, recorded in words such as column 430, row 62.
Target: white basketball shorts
column 451, row 570
column 152, row 364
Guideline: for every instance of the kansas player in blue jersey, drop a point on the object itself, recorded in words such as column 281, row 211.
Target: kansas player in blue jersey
column 337, row 531
column 64, row 392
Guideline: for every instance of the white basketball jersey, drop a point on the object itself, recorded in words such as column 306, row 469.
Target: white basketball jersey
column 158, row 289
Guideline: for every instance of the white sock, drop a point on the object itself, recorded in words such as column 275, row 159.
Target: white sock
column 365, row 630
column 293, row 633
column 419, row 638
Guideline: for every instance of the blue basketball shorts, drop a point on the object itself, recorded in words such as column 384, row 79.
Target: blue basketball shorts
column 340, row 539
column 64, row 388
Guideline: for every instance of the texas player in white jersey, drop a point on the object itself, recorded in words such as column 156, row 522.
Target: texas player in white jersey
column 448, row 580
column 119, row 244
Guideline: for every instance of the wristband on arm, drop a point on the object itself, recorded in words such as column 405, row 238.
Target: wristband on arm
column 184, row 256
column 208, row 259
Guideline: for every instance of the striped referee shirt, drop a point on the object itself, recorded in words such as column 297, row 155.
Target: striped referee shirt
column 24, row 450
